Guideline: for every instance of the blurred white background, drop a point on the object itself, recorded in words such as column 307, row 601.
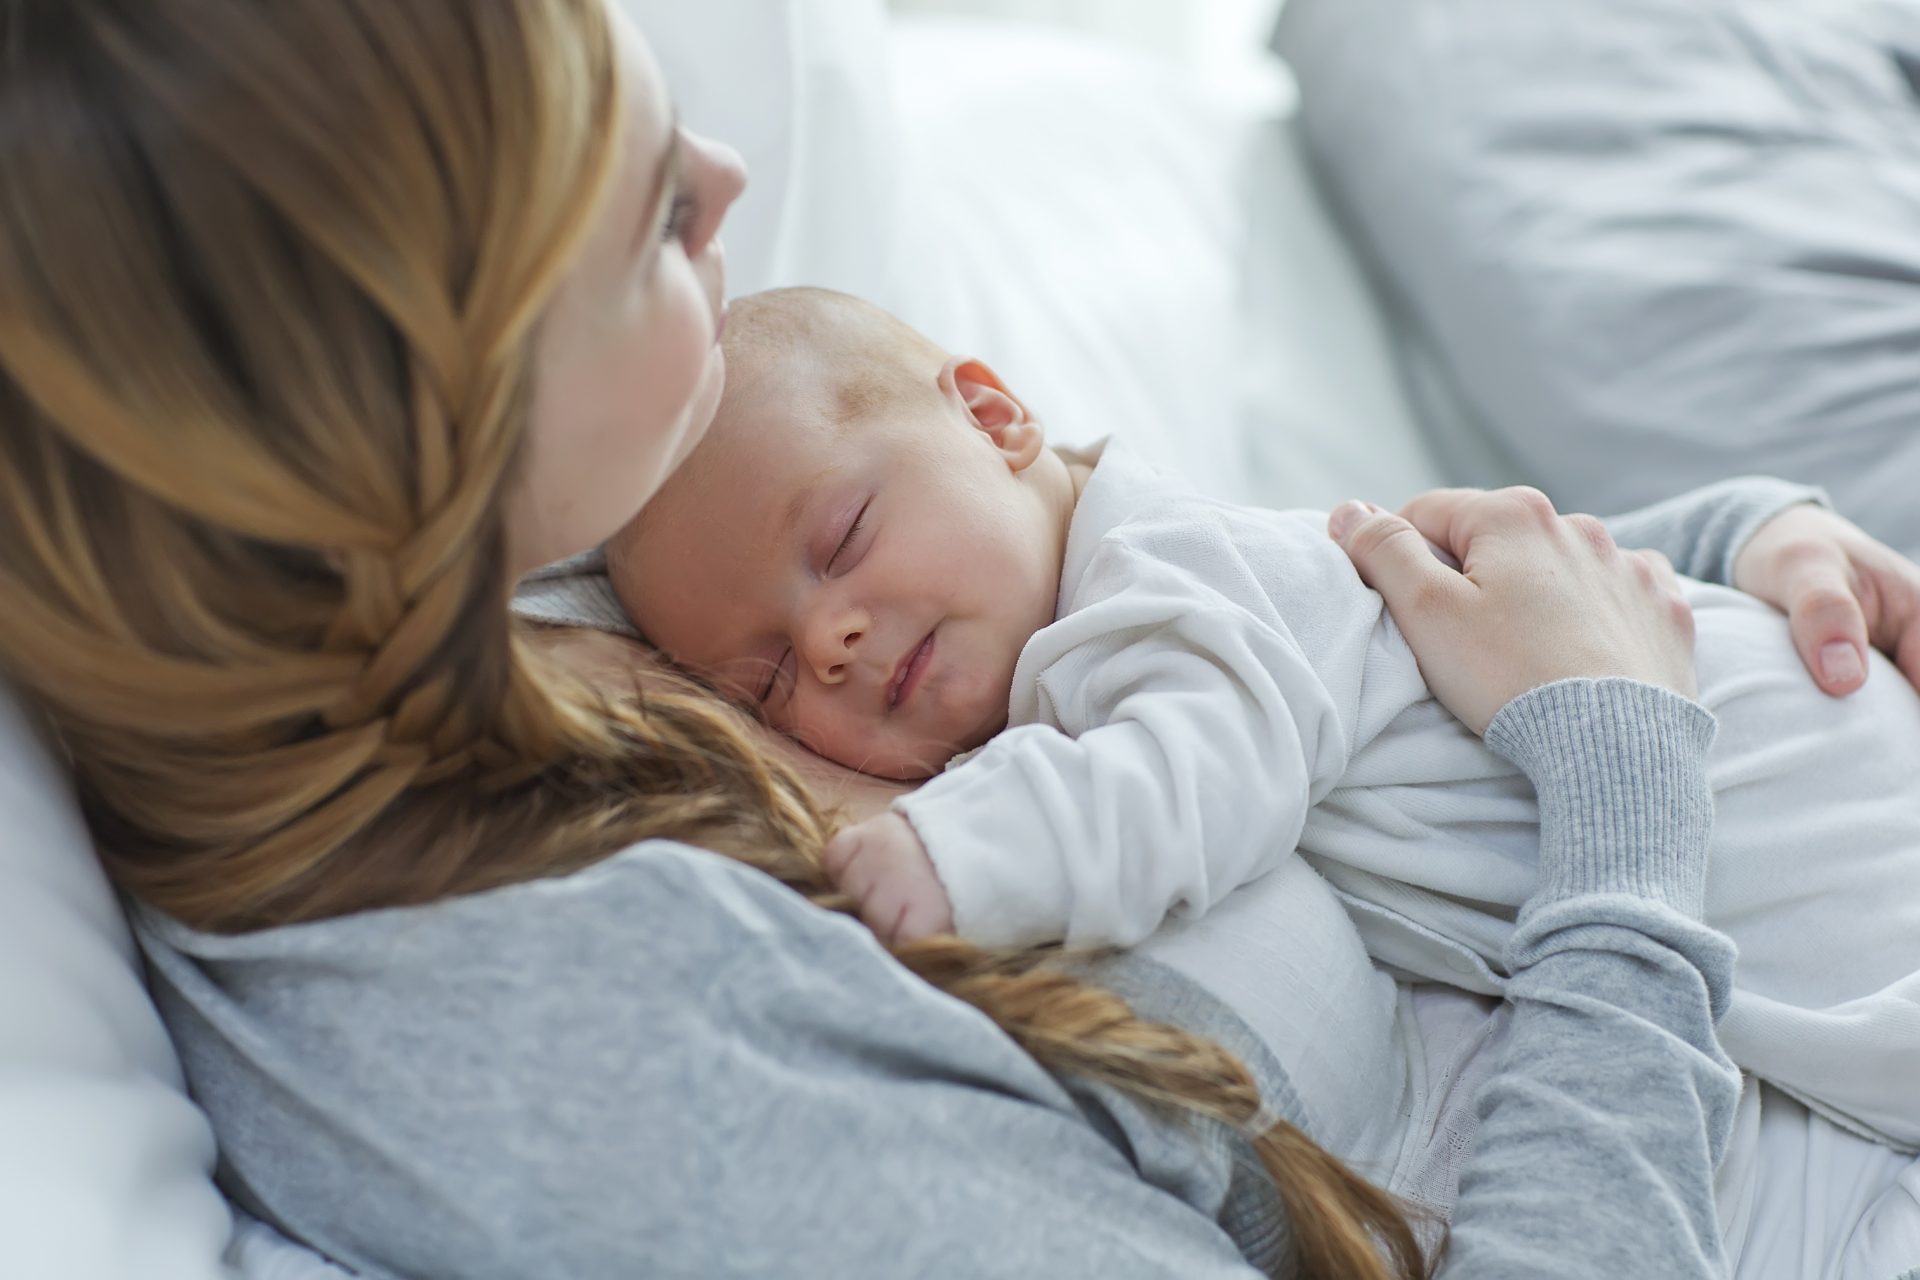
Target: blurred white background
column 1219, row 37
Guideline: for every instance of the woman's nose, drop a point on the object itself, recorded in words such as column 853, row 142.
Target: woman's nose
column 718, row 176
column 728, row 172
column 833, row 636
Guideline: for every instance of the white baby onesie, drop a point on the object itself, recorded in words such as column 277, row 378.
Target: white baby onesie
column 1221, row 688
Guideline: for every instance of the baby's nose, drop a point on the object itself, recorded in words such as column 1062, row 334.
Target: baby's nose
column 831, row 648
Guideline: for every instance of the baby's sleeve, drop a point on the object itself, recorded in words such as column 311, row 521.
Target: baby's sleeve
column 1191, row 739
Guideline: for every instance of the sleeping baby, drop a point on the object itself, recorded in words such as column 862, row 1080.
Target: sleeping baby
column 1128, row 700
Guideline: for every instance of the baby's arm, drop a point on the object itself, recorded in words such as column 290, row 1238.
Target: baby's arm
column 1202, row 739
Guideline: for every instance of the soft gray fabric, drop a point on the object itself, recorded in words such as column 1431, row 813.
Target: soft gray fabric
column 1704, row 531
column 667, row 1065
column 574, row 592
column 1611, row 1081
column 1634, row 246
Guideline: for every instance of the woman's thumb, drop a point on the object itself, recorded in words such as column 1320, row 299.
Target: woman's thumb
column 1391, row 555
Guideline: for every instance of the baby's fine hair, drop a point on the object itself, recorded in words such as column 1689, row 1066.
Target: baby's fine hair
column 858, row 356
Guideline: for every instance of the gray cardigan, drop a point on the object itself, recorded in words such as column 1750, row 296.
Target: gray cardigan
column 668, row 1065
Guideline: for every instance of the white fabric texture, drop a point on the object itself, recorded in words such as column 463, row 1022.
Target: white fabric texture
column 1220, row 686
column 1283, row 955
column 1799, row 1197
column 1826, row 1204
column 1220, row 327
column 258, row 1252
column 1202, row 717
column 104, row 1170
column 802, row 92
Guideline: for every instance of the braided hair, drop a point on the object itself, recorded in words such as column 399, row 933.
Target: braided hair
column 268, row 279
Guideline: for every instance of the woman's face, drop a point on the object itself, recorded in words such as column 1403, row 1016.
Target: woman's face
column 628, row 367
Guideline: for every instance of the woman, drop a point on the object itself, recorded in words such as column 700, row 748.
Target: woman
column 325, row 321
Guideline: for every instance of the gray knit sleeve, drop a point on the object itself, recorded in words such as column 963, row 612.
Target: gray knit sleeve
column 1613, row 1103
column 1702, row 531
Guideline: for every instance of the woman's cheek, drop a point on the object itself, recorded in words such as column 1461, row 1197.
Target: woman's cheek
column 674, row 353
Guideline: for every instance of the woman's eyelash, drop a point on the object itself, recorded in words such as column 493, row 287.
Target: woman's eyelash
column 852, row 531
column 680, row 217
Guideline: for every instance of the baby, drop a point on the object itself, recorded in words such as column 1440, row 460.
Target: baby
column 1164, row 695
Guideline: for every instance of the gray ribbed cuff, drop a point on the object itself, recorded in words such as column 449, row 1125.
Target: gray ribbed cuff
column 1620, row 768
column 1760, row 500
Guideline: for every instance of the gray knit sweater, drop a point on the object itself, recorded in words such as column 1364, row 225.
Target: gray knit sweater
column 667, row 1065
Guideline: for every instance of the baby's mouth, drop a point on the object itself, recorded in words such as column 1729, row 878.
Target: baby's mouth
column 906, row 676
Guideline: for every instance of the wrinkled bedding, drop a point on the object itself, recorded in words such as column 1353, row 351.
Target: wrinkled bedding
column 1628, row 247
column 1633, row 246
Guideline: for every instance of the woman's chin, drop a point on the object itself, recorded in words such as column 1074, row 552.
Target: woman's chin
column 698, row 418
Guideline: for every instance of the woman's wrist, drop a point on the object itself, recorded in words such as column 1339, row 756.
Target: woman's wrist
column 1620, row 768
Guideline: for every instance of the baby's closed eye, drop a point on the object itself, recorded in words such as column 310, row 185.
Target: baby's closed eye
column 778, row 678
column 847, row 551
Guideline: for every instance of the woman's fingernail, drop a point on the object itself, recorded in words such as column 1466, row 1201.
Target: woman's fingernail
column 1839, row 662
column 1344, row 518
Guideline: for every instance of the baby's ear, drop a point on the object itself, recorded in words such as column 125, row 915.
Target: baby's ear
column 996, row 411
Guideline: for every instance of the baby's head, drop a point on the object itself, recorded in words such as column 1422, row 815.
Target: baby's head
column 864, row 541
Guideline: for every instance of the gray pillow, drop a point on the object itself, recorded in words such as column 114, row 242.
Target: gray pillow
column 1634, row 246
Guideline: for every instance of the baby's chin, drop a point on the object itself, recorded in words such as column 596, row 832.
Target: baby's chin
column 902, row 762
column 917, row 762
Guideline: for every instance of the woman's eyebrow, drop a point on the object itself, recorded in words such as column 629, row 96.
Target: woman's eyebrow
column 666, row 176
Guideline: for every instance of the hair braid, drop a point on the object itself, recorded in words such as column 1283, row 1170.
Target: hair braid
column 264, row 368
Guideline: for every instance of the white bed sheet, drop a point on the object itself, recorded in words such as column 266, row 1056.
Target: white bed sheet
column 1818, row 1202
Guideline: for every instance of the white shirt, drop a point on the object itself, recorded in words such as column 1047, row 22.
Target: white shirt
column 1220, row 688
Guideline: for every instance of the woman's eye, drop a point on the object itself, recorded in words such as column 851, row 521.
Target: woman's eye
column 681, row 215
column 853, row 531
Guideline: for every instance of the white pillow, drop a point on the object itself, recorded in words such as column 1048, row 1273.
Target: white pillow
column 1069, row 216
column 104, row 1168
column 801, row 91
column 1142, row 253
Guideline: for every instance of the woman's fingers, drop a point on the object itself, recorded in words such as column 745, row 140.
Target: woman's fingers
column 1815, row 587
column 1889, row 595
column 1542, row 597
column 1394, row 559
column 1831, row 635
column 1453, row 518
column 1907, row 655
column 1841, row 590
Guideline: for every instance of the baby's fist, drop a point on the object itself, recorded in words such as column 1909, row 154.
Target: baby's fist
column 883, row 866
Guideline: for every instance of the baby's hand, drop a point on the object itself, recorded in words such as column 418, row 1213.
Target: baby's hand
column 882, row 865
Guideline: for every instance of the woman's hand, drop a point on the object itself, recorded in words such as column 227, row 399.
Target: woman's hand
column 1539, row 597
column 1840, row 590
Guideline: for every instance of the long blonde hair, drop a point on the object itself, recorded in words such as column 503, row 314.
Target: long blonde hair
column 268, row 279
